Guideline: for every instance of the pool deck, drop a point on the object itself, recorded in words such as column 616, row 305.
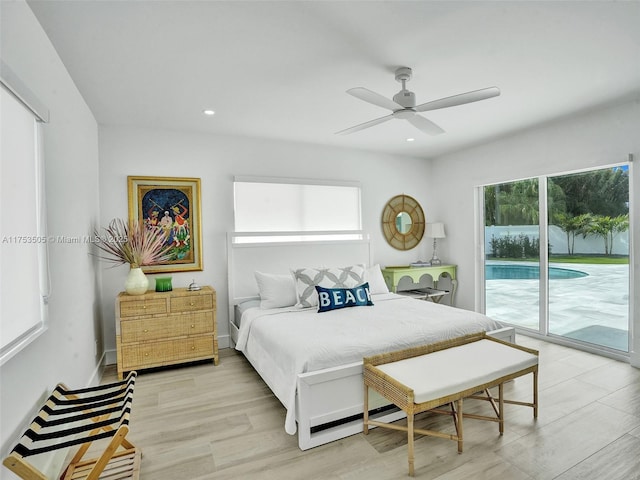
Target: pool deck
column 599, row 299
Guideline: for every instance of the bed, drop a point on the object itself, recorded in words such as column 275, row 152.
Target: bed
column 312, row 361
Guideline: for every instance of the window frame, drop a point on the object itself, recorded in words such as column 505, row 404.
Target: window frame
column 13, row 87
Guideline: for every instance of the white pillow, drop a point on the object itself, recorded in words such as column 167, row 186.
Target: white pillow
column 306, row 280
column 373, row 275
column 275, row 290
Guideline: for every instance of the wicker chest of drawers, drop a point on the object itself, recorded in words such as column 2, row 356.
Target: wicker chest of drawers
column 165, row 328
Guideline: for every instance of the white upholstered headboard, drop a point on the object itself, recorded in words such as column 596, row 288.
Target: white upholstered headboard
column 245, row 258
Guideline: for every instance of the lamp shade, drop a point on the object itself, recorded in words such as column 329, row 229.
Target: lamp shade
column 435, row 230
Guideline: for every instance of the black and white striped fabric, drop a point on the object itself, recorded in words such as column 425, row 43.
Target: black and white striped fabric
column 74, row 417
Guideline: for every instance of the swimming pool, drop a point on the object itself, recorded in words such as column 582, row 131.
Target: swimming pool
column 530, row 272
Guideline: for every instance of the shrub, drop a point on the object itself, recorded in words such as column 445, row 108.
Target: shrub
column 514, row 247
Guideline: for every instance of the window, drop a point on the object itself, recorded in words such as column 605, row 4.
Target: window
column 23, row 273
column 577, row 288
column 297, row 210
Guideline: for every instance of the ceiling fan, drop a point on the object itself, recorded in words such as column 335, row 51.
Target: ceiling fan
column 404, row 105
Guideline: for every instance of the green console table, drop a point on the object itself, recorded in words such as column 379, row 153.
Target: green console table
column 392, row 276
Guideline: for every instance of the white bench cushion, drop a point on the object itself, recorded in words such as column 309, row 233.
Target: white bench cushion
column 457, row 369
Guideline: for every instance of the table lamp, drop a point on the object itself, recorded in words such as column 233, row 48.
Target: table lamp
column 435, row 231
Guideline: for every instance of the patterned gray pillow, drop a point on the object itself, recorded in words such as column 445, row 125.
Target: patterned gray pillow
column 306, row 280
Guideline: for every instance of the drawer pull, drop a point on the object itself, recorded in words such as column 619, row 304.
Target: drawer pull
column 145, row 331
column 193, row 326
column 144, row 306
column 193, row 348
column 146, row 354
column 191, row 303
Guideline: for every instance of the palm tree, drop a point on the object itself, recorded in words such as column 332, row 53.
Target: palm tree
column 607, row 227
column 620, row 224
column 572, row 226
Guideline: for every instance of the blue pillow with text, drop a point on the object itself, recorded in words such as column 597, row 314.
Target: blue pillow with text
column 335, row 298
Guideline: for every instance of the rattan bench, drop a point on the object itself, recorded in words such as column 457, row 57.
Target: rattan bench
column 423, row 378
column 71, row 418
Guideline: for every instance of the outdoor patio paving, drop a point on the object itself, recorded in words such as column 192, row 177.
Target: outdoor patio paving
column 594, row 308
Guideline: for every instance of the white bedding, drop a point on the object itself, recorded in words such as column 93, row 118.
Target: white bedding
column 284, row 342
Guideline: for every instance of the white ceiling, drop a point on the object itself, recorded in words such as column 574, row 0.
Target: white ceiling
column 280, row 69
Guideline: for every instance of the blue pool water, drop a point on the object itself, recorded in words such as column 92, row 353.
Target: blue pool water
column 531, row 272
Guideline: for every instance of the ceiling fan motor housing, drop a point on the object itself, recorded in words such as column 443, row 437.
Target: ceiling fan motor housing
column 405, row 98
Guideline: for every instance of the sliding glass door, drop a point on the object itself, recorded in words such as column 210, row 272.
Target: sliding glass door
column 512, row 253
column 589, row 257
column 582, row 294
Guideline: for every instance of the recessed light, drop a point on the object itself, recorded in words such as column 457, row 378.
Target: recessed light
column 208, row 112
column 410, row 139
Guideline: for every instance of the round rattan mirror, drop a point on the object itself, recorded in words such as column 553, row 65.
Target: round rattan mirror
column 403, row 222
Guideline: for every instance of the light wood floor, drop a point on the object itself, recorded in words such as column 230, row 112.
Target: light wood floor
column 206, row 422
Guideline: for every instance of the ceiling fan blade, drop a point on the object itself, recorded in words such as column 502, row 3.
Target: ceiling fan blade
column 460, row 99
column 426, row 126
column 364, row 125
column 374, row 98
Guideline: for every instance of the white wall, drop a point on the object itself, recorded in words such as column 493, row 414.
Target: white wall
column 216, row 159
column 590, row 140
column 65, row 352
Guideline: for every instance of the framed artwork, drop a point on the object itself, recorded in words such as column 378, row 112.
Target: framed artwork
column 171, row 205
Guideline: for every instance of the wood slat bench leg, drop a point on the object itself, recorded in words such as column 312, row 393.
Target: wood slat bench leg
column 410, row 418
column 535, row 393
column 460, row 416
column 365, row 418
column 501, row 408
column 454, row 416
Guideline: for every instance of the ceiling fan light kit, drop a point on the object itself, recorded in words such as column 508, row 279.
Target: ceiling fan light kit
column 403, row 105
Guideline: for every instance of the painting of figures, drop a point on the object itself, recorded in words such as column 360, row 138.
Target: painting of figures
column 172, row 207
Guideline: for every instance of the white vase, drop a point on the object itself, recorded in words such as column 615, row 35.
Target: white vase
column 137, row 282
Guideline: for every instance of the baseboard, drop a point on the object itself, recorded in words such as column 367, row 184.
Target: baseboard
column 96, row 377
column 110, row 357
column 224, row 341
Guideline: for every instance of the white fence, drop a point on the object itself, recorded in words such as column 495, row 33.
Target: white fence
column 558, row 240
